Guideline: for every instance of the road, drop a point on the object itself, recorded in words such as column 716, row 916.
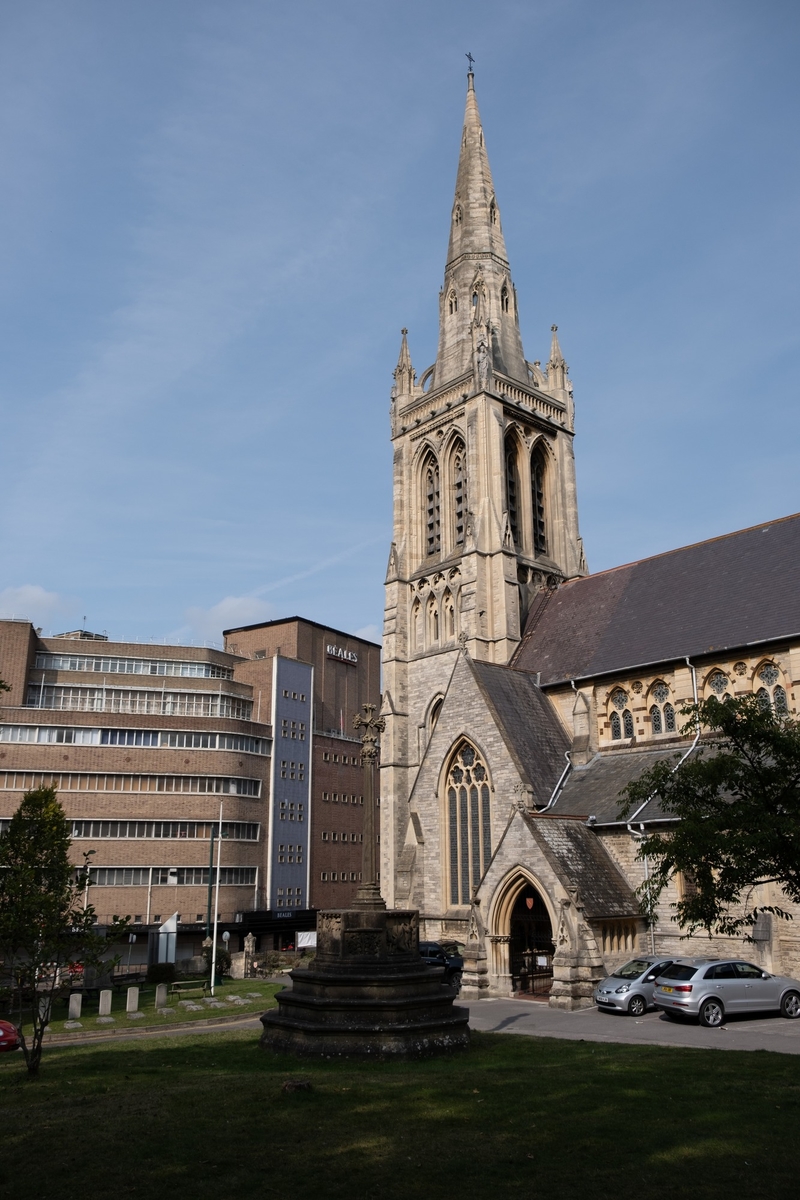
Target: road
column 588, row 1024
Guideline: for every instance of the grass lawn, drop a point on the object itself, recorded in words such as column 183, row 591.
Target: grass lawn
column 206, row 1116
column 258, row 994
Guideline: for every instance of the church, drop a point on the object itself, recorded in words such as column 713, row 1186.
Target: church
column 521, row 693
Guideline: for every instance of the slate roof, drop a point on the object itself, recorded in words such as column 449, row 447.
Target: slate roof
column 726, row 593
column 582, row 862
column 594, row 789
column 531, row 730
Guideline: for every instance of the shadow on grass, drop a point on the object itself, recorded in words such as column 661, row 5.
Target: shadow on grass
column 209, row 1116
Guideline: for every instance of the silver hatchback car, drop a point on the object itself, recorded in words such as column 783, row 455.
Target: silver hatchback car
column 630, row 988
column 712, row 989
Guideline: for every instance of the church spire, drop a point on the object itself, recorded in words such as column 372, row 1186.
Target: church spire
column 477, row 285
column 475, row 228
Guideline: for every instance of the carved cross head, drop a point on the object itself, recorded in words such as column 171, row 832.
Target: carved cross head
column 371, row 726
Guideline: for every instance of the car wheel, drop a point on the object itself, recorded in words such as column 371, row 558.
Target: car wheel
column 711, row 1014
column 455, row 981
column 790, row 1005
column 637, row 1006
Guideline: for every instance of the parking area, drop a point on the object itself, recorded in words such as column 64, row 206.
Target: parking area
column 588, row 1024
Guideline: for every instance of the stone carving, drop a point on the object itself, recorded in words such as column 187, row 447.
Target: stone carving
column 363, row 943
column 401, row 936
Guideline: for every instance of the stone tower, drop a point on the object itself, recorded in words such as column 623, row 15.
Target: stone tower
column 485, row 511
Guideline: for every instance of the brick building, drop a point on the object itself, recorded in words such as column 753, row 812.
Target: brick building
column 144, row 743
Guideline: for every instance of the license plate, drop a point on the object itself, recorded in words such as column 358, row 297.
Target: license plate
column 667, row 989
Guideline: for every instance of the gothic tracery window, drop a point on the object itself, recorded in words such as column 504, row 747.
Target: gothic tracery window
column 433, row 531
column 452, row 301
column 772, row 694
column 504, row 299
column 662, row 712
column 537, row 496
column 469, row 824
column 620, row 720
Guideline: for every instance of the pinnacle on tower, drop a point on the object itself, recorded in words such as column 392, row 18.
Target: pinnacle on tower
column 556, row 366
column 404, row 374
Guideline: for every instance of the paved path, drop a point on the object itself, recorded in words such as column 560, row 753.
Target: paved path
column 537, row 1020
column 588, row 1024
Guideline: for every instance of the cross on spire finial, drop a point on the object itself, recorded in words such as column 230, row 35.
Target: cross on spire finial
column 470, row 59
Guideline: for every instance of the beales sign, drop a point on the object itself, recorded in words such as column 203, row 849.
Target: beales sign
column 347, row 656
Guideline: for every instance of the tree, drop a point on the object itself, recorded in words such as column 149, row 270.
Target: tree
column 737, row 804
column 47, row 926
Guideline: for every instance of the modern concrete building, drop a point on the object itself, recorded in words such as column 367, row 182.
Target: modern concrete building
column 147, row 744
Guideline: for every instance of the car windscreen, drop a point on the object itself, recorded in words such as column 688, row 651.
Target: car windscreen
column 631, row 970
column 679, row 971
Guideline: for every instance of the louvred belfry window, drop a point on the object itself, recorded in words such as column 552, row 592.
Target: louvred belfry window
column 537, row 496
column 512, row 489
column 433, row 534
column 469, row 823
column 459, row 494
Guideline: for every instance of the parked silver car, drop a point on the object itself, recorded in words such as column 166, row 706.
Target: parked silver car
column 712, row 989
column 630, row 988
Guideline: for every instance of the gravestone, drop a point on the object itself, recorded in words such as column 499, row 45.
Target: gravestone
column 105, row 1002
column 161, row 995
column 133, row 1000
column 75, row 1001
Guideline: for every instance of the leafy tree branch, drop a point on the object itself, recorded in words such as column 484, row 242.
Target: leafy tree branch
column 735, row 805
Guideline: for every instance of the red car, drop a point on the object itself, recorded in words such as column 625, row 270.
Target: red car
column 9, row 1036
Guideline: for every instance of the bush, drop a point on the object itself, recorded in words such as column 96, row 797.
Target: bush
column 161, row 973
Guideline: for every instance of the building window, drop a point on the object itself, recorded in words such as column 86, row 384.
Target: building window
column 537, row 497
column 512, row 489
column 459, row 494
column 323, row 876
column 433, row 533
column 452, row 302
column 772, row 693
column 504, row 303
column 468, row 821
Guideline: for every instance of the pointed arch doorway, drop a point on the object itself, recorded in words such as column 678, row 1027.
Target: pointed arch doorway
column 531, row 945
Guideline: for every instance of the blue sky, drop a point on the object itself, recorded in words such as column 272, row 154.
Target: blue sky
column 216, row 218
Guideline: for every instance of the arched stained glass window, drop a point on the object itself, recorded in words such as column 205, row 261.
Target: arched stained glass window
column 627, row 723
column 469, row 823
column 662, row 713
column 779, row 700
column 762, row 695
column 616, row 726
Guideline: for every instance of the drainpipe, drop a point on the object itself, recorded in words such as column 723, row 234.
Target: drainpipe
column 557, row 789
column 638, row 836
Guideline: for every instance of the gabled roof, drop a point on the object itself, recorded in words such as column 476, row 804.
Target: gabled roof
column 594, row 789
column 531, row 730
column 724, row 594
column 584, row 866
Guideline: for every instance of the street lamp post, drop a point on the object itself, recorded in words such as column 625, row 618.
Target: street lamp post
column 216, row 903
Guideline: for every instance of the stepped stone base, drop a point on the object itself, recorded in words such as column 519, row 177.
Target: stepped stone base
column 367, row 994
